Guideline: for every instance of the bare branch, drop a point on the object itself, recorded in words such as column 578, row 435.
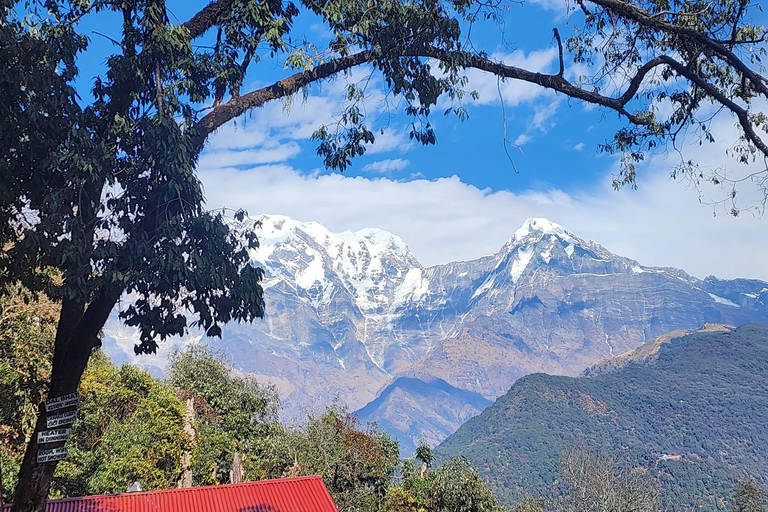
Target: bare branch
column 559, row 51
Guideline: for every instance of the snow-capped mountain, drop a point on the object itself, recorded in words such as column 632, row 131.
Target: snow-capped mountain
column 355, row 316
column 354, row 283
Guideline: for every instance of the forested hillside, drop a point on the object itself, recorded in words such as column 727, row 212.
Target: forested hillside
column 695, row 417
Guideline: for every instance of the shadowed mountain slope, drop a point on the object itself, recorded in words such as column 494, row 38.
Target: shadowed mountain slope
column 704, row 397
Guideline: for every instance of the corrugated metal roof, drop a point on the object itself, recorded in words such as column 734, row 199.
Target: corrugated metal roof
column 303, row 494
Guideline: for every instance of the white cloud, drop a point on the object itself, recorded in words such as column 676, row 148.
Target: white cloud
column 561, row 9
column 447, row 219
column 541, row 121
column 238, row 135
column 543, row 114
column 387, row 166
column 265, row 155
column 390, row 139
column 522, row 139
column 579, row 147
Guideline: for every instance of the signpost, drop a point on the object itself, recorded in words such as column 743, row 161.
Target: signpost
column 62, row 402
column 57, row 435
column 53, row 436
column 57, row 420
column 51, row 455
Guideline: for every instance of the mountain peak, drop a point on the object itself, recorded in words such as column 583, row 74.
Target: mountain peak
column 540, row 225
column 377, row 239
column 278, row 228
column 542, row 233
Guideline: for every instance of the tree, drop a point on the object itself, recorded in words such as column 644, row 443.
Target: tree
column 357, row 462
column 106, row 191
column 530, row 504
column 424, row 455
column 748, row 496
column 453, row 486
column 234, row 414
column 130, row 428
column 594, row 483
column 27, row 327
column 129, row 425
column 458, row 488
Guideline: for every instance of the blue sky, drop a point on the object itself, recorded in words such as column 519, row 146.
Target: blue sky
column 463, row 198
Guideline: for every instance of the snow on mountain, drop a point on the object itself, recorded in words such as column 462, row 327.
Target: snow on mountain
column 371, row 264
column 348, row 313
column 543, row 226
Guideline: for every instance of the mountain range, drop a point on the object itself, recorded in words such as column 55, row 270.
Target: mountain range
column 691, row 407
column 355, row 318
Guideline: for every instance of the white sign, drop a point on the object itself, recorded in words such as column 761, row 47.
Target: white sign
column 53, row 436
column 57, row 420
column 51, row 455
column 61, row 402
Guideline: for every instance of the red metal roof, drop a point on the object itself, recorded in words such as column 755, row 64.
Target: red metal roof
column 303, row 494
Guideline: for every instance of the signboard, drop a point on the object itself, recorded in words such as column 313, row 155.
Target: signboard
column 53, row 436
column 57, row 420
column 51, row 455
column 62, row 402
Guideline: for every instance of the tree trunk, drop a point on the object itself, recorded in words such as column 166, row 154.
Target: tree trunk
column 237, row 473
column 186, row 457
column 35, row 478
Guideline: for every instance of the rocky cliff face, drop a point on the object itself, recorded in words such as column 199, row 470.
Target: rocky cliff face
column 350, row 313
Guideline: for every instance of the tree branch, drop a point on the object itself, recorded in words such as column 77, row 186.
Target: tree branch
column 553, row 82
column 734, row 30
column 243, row 68
column 239, row 105
column 637, row 80
column 559, row 51
column 207, row 17
column 631, row 12
column 741, row 113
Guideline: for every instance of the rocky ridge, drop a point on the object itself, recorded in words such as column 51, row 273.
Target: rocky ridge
column 350, row 314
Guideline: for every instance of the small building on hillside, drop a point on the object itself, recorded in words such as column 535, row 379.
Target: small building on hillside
column 303, row 494
column 670, row 456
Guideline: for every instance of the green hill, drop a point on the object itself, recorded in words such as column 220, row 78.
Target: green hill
column 703, row 396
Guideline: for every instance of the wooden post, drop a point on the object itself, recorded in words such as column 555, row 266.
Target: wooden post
column 237, row 473
column 186, row 457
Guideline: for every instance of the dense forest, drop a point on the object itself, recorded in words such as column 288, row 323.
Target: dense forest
column 694, row 416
